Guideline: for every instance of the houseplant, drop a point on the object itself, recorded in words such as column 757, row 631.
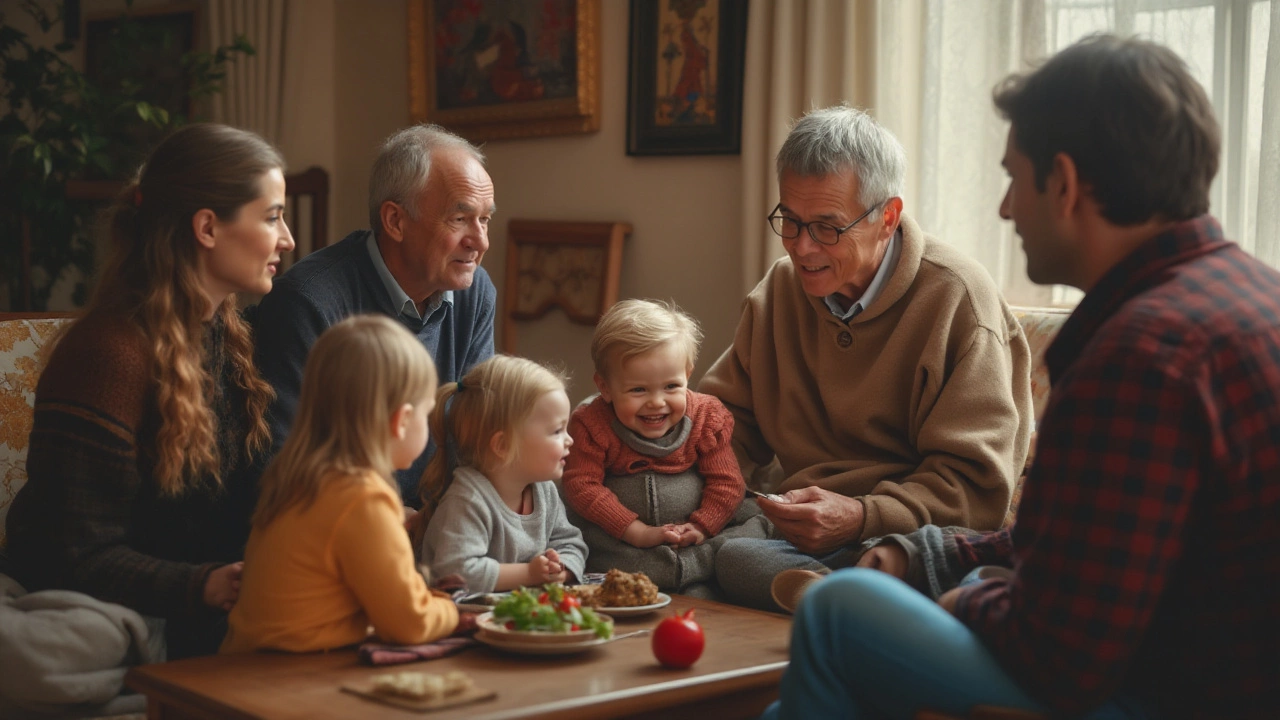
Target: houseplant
column 60, row 124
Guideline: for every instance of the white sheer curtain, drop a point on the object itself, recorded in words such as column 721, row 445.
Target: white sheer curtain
column 926, row 69
column 954, row 150
column 801, row 54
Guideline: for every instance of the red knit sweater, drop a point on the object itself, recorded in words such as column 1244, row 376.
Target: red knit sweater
column 598, row 451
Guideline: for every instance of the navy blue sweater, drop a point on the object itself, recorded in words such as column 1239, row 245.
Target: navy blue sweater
column 338, row 281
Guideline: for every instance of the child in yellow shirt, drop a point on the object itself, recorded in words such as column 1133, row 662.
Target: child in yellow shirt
column 328, row 555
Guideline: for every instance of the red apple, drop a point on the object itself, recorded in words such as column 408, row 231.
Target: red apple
column 678, row 641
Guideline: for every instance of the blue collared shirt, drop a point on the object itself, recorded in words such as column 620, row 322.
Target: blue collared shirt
column 399, row 297
column 876, row 287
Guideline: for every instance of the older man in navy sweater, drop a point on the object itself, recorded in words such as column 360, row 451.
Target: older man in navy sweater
column 430, row 203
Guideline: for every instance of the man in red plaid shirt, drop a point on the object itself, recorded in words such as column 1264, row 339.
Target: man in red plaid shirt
column 1144, row 566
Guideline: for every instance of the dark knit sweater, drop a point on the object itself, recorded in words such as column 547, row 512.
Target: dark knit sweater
column 336, row 282
column 91, row 518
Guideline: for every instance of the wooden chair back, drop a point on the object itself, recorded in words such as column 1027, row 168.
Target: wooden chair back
column 574, row 266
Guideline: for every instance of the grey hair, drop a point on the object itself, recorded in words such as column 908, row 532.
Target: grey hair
column 403, row 164
column 829, row 140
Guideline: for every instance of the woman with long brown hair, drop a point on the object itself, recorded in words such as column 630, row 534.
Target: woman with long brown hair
column 150, row 406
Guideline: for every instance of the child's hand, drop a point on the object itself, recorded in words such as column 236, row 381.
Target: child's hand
column 689, row 534
column 641, row 535
column 222, row 587
column 543, row 569
column 554, row 557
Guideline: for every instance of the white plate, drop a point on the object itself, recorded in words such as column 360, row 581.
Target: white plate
column 663, row 601
column 567, row 648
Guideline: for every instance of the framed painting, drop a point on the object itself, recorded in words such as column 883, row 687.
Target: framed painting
column 684, row 87
column 492, row 69
column 144, row 48
column 575, row 266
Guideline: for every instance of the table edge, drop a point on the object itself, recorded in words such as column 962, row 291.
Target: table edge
column 630, row 699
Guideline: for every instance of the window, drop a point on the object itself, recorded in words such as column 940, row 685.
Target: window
column 954, row 186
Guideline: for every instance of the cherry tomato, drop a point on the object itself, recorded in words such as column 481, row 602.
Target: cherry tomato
column 568, row 603
column 511, row 625
column 678, row 641
column 544, row 599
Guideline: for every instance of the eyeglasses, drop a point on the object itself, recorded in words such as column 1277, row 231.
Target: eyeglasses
column 821, row 232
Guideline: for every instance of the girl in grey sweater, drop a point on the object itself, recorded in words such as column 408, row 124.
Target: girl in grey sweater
column 495, row 516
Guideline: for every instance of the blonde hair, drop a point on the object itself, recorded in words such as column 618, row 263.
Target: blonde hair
column 498, row 395
column 357, row 375
column 152, row 278
column 634, row 327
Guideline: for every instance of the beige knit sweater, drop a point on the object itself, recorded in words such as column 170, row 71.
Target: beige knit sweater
column 920, row 405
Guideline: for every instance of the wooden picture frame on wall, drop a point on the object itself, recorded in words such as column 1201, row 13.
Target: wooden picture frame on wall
column 685, row 75
column 494, row 69
column 575, row 266
column 158, row 36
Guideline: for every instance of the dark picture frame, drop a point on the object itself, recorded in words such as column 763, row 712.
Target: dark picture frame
column 166, row 32
column 685, row 76
column 495, row 69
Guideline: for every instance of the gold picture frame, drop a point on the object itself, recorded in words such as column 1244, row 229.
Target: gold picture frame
column 496, row 69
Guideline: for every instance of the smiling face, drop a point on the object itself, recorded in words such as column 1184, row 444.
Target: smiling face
column 848, row 266
column 649, row 391
column 242, row 254
column 544, row 440
column 443, row 245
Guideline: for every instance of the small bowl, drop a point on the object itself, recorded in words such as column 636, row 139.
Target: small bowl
column 491, row 628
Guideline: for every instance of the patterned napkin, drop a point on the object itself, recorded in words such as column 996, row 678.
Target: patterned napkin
column 380, row 654
column 372, row 653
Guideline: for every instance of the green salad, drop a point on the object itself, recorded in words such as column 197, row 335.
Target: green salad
column 548, row 609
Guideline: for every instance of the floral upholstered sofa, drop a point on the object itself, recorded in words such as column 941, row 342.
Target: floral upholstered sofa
column 1041, row 326
column 22, row 339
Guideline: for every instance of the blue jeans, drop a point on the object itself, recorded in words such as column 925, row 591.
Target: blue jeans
column 866, row 645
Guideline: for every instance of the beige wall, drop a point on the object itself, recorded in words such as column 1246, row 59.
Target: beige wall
column 685, row 210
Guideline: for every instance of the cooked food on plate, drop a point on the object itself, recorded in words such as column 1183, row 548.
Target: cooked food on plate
column 620, row 589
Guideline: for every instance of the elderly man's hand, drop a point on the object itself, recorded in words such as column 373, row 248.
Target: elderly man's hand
column 815, row 520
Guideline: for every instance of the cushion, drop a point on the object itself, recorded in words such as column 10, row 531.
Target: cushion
column 1041, row 326
column 21, row 343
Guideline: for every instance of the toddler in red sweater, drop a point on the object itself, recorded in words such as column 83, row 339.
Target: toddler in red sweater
column 652, row 480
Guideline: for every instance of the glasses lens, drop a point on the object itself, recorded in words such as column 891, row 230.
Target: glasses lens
column 824, row 233
column 784, row 226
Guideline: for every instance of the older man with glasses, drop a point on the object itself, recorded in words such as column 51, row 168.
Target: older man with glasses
column 879, row 366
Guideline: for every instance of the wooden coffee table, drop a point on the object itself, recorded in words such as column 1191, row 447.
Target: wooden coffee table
column 737, row 676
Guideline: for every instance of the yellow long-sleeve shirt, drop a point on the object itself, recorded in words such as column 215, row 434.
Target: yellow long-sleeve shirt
column 316, row 578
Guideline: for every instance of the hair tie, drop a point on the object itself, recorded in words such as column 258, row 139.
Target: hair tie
column 137, row 197
column 461, row 387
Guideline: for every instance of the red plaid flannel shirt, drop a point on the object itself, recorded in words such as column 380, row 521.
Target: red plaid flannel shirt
column 1147, row 543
